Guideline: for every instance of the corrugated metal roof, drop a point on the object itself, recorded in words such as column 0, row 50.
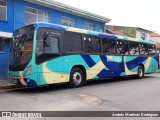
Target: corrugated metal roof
column 131, row 27
column 116, row 33
column 158, row 45
column 69, row 9
column 154, row 35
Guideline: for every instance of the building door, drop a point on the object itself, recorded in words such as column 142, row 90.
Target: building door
column 4, row 58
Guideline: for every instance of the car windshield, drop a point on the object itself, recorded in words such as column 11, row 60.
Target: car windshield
column 22, row 45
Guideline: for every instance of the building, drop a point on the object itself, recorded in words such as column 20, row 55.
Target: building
column 155, row 37
column 17, row 13
column 116, row 32
column 134, row 32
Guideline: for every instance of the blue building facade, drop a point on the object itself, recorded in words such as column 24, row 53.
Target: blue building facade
column 17, row 13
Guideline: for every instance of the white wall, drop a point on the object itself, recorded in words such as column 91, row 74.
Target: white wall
column 155, row 39
column 139, row 32
column 5, row 34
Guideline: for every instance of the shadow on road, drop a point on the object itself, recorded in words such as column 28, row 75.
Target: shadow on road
column 60, row 87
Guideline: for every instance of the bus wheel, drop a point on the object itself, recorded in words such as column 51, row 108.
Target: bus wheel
column 140, row 73
column 76, row 78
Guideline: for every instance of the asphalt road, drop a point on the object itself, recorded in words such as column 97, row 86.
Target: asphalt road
column 123, row 94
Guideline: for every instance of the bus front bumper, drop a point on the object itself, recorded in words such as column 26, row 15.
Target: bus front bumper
column 22, row 81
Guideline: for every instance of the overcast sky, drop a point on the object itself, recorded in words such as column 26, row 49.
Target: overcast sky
column 136, row 13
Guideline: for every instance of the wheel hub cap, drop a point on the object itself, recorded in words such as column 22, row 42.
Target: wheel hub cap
column 140, row 73
column 77, row 78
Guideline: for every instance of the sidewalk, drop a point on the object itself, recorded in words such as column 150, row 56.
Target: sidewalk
column 4, row 84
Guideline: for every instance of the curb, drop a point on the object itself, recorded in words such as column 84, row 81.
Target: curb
column 8, row 87
column 4, row 84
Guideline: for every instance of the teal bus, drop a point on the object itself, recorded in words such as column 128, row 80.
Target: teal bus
column 44, row 53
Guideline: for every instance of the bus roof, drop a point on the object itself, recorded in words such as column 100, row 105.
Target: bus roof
column 71, row 29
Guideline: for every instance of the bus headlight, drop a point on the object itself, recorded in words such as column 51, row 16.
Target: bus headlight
column 28, row 71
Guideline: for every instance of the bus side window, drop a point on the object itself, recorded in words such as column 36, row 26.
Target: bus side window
column 109, row 46
column 152, row 50
column 133, row 48
column 96, row 44
column 122, row 47
column 48, row 47
column 92, row 44
column 143, row 49
column 88, row 44
column 72, row 42
column 40, row 45
column 53, row 46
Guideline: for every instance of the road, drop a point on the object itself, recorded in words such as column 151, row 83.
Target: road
column 123, row 94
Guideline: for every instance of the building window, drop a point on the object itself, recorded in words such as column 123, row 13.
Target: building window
column 101, row 28
column 143, row 36
column 88, row 26
column 34, row 15
column 68, row 21
column 1, row 46
column 3, row 10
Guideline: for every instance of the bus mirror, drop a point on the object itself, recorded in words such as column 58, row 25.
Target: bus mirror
column 46, row 43
column 46, row 40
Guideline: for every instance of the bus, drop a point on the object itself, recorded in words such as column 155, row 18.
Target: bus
column 44, row 53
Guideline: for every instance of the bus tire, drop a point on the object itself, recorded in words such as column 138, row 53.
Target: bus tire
column 140, row 73
column 76, row 78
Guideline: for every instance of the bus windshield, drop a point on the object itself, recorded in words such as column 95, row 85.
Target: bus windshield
column 22, row 45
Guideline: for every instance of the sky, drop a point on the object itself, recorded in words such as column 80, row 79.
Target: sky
column 134, row 13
